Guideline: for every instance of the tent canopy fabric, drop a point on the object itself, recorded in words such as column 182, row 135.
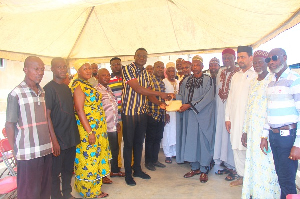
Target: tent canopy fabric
column 101, row 29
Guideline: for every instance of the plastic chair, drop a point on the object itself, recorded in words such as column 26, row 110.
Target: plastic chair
column 8, row 187
column 7, row 156
column 293, row 196
column 4, row 133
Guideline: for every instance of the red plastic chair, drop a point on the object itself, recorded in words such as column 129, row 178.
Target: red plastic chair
column 7, row 156
column 4, row 133
column 8, row 187
column 293, row 196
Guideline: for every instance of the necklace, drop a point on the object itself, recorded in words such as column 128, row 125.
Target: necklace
column 174, row 84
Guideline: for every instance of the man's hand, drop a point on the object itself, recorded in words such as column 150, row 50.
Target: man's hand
column 92, row 138
column 163, row 105
column 167, row 119
column 56, row 148
column 295, row 153
column 184, row 107
column 244, row 139
column 118, row 127
column 264, row 144
column 167, row 96
column 228, row 126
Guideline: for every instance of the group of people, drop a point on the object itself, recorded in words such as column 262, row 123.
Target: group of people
column 240, row 116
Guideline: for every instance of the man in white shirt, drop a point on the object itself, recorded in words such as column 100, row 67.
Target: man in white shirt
column 236, row 106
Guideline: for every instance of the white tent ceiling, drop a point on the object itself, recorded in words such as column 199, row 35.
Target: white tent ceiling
column 101, row 29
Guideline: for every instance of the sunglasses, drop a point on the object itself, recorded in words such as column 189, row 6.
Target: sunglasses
column 274, row 58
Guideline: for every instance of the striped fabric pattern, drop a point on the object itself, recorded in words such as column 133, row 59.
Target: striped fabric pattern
column 134, row 103
column 116, row 85
column 283, row 102
column 154, row 110
column 28, row 110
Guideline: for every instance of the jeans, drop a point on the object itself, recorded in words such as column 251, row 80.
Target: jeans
column 285, row 168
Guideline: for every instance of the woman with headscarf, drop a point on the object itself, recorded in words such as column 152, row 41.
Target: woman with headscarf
column 93, row 152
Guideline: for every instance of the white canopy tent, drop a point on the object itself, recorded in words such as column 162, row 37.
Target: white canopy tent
column 101, row 29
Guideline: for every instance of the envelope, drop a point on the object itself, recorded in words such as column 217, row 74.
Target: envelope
column 173, row 105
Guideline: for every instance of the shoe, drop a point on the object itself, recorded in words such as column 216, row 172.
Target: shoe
column 130, row 181
column 159, row 164
column 106, row 180
column 192, row 173
column 142, row 175
column 238, row 182
column 168, row 160
column 119, row 174
column 150, row 166
column 203, row 177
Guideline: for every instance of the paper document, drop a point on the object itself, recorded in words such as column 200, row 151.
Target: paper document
column 173, row 105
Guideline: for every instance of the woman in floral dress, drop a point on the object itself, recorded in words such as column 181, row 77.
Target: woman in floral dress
column 93, row 152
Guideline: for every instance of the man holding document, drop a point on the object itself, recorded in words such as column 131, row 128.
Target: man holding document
column 169, row 135
column 197, row 129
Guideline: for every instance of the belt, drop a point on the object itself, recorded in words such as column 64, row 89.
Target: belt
column 286, row 127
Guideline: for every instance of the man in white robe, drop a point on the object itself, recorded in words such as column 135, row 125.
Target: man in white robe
column 236, row 107
column 169, row 135
column 223, row 153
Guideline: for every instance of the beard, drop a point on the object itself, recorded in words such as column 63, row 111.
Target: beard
column 278, row 69
column 259, row 72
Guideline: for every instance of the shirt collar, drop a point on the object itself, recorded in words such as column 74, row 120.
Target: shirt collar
column 285, row 73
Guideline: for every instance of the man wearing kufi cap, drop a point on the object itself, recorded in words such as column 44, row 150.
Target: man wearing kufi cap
column 214, row 66
column 260, row 179
column 197, row 112
column 169, row 136
column 236, row 106
column 223, row 153
column 180, row 74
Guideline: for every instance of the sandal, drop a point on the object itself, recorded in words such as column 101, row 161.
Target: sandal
column 222, row 171
column 168, row 160
column 238, row 182
column 106, row 180
column 223, row 164
column 232, row 176
column 103, row 195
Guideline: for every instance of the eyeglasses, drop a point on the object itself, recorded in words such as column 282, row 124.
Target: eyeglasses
column 274, row 58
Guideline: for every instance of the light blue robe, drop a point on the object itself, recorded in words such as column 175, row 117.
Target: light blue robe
column 195, row 129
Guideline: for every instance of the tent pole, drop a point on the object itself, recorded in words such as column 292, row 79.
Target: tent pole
column 86, row 21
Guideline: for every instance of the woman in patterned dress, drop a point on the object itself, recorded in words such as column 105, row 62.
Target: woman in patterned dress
column 93, row 152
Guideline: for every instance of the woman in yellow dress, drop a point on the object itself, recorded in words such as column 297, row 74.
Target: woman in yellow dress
column 93, row 152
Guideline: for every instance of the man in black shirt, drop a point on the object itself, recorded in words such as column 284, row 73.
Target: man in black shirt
column 64, row 134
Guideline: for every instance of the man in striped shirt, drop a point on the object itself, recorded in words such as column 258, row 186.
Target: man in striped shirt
column 137, row 84
column 116, row 85
column 283, row 94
